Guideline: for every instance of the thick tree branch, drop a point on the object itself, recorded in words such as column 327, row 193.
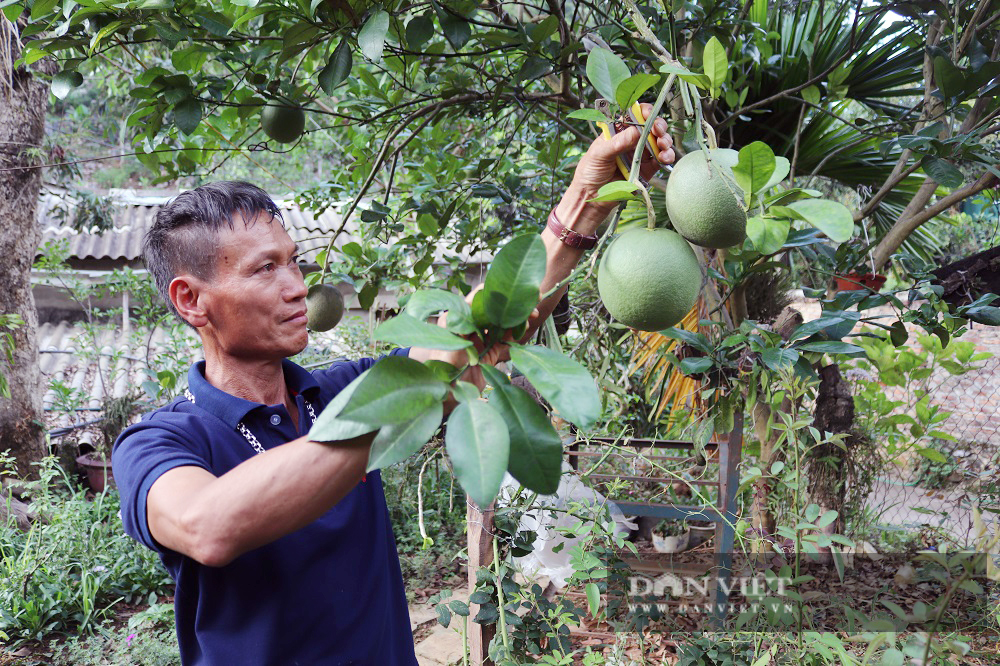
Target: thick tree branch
column 906, row 226
column 888, row 186
column 970, row 30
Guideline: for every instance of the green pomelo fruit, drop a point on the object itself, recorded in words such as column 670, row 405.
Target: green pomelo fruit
column 284, row 124
column 704, row 201
column 324, row 307
column 649, row 279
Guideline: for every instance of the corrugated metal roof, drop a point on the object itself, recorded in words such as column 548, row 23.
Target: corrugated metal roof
column 73, row 365
column 134, row 216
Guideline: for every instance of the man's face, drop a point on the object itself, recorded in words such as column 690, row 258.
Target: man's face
column 255, row 305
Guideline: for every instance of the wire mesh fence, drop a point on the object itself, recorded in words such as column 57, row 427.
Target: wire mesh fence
column 929, row 494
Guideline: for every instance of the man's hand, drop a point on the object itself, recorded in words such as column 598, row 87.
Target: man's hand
column 597, row 167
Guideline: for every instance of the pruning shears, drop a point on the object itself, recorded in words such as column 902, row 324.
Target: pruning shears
column 633, row 116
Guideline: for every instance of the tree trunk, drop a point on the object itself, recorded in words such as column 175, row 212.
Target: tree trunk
column 762, row 519
column 826, row 469
column 23, row 102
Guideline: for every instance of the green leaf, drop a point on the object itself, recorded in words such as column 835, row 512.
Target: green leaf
column 397, row 389
column 715, row 63
column 616, row 191
column 479, row 447
column 338, row 68
column 465, row 391
column 983, row 314
column 755, row 166
column 493, row 376
column 366, row 297
column 478, row 308
column 593, row 599
column 832, row 218
column 893, row 657
column 949, row 78
column 811, row 94
column 566, row 384
column 631, row 89
column 459, row 608
column 187, row 115
column 768, row 234
column 898, row 334
column 456, row 29
column 65, row 81
column 398, row 442
column 330, row 427
column 535, row 447
column 42, row 7
column 830, row 347
column 428, row 302
column 444, row 615
column 777, row 359
column 488, row 614
column 781, row 168
column 419, row 30
column 532, row 68
column 371, row 38
column 511, row 288
column 606, row 71
column 942, row 171
column 933, row 455
column 591, row 115
column 826, row 519
column 696, row 365
column 406, row 331
column 699, row 80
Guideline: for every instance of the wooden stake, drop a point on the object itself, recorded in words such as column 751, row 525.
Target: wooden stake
column 480, row 525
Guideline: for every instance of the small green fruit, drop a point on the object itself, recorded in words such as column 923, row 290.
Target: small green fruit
column 284, row 124
column 324, row 307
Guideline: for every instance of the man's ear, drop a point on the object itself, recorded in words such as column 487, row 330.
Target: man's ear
column 186, row 295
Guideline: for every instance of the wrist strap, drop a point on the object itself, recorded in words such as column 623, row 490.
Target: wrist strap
column 568, row 236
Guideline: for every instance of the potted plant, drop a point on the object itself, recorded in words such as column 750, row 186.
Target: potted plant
column 854, row 268
column 96, row 464
column 855, row 280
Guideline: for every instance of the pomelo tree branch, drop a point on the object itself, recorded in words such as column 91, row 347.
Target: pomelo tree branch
column 906, row 226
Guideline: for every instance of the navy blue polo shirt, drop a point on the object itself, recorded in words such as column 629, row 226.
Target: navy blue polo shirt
column 329, row 593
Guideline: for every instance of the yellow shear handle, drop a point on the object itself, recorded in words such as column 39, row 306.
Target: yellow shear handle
column 636, row 112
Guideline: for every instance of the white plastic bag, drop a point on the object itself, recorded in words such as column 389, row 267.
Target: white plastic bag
column 543, row 560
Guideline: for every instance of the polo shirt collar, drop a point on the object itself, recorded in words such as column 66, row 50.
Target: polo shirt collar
column 230, row 409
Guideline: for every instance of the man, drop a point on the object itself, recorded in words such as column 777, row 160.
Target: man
column 281, row 547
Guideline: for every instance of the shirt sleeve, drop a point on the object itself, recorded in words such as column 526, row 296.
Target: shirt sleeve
column 143, row 453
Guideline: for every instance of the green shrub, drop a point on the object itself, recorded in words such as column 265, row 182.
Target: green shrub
column 73, row 565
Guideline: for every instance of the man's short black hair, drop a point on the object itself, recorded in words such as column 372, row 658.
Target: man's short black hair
column 184, row 237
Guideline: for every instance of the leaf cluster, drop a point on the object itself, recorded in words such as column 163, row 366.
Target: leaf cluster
column 404, row 400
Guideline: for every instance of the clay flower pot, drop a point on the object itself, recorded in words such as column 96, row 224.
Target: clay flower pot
column 98, row 471
column 858, row 281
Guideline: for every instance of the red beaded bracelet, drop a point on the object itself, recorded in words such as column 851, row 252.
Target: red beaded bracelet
column 568, row 236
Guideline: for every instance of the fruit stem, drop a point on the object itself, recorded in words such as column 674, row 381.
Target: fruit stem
column 650, row 215
column 648, row 127
column 705, row 140
column 641, row 150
